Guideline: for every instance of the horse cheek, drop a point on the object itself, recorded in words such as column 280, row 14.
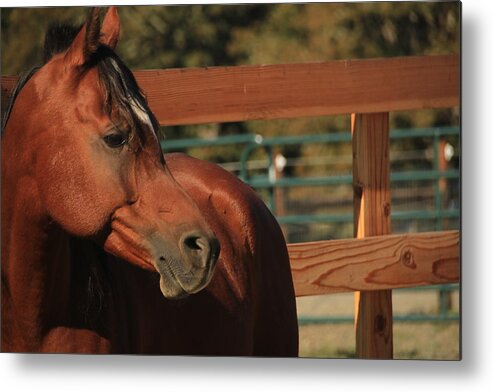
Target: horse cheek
column 73, row 193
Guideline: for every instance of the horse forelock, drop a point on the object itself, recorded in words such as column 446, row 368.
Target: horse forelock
column 123, row 94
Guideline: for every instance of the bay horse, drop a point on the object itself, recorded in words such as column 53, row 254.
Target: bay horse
column 110, row 247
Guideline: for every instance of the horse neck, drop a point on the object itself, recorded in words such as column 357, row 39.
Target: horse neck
column 36, row 264
column 32, row 256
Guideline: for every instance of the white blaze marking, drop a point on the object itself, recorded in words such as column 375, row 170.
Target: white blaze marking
column 141, row 114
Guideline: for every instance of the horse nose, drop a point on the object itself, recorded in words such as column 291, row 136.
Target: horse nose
column 200, row 249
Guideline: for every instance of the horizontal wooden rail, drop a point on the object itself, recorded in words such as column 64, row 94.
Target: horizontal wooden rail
column 375, row 263
column 242, row 93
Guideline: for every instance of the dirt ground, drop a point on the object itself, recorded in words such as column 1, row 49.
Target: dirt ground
column 412, row 340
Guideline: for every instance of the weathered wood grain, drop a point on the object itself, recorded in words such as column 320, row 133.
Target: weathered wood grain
column 242, row 93
column 371, row 174
column 375, row 263
column 371, row 184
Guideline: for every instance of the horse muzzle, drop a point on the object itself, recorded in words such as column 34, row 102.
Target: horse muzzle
column 192, row 270
column 184, row 258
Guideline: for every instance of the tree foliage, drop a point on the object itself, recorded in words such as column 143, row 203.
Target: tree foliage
column 320, row 32
column 152, row 36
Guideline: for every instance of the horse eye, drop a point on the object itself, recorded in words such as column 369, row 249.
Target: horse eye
column 115, row 140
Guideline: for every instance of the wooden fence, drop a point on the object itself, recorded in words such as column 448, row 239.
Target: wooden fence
column 374, row 262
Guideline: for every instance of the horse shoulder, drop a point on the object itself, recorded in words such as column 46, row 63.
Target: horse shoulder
column 253, row 258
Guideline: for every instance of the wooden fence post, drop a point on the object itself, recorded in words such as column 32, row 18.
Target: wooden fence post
column 371, row 182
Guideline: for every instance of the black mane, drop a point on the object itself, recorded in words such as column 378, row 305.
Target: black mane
column 23, row 79
column 58, row 39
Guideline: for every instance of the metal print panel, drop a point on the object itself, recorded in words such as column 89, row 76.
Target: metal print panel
column 304, row 202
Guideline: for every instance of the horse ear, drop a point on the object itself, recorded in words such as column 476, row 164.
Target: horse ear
column 86, row 42
column 111, row 28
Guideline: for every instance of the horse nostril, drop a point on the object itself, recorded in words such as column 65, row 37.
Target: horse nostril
column 201, row 249
column 194, row 243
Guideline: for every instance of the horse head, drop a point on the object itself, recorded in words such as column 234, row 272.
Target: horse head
column 97, row 163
